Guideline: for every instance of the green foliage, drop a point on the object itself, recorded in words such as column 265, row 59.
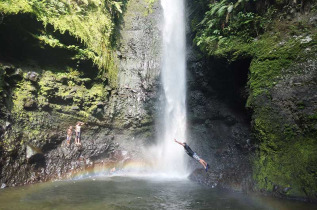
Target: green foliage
column 15, row 6
column 90, row 21
column 230, row 29
column 150, row 6
column 64, row 94
column 226, row 19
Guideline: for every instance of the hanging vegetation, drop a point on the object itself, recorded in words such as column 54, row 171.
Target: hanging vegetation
column 92, row 22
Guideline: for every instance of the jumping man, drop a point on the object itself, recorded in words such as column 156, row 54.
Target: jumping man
column 192, row 154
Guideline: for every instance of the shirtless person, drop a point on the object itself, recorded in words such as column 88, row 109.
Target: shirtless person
column 78, row 132
column 69, row 135
column 192, row 154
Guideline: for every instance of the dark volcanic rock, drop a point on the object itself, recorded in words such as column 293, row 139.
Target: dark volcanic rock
column 32, row 151
column 218, row 122
column 209, row 178
column 54, row 159
column 13, row 74
column 139, row 65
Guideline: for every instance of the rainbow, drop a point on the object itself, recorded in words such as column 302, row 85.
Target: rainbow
column 130, row 167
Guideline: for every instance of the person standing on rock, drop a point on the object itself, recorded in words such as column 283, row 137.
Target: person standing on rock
column 69, row 135
column 78, row 132
column 193, row 154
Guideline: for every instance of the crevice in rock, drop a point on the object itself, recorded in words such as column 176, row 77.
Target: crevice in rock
column 229, row 82
column 38, row 161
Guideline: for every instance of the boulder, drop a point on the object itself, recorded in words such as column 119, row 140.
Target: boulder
column 100, row 105
column 9, row 69
column 7, row 125
column 75, row 108
column 32, row 151
column 30, row 103
column 16, row 75
column 32, row 76
column 3, row 186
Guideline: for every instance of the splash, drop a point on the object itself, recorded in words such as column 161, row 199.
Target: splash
column 171, row 155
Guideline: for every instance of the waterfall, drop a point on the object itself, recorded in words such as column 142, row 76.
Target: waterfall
column 171, row 159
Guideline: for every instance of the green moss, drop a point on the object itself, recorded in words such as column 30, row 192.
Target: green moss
column 90, row 21
column 287, row 155
column 293, row 166
column 15, row 6
column 24, row 92
column 313, row 116
column 60, row 92
column 61, row 96
column 149, row 8
column 300, row 105
column 70, row 87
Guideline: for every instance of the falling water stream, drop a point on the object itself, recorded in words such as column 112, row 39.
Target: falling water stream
column 171, row 159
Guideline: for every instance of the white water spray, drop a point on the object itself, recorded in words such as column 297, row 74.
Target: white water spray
column 171, row 157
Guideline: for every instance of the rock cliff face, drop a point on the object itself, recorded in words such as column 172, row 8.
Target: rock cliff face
column 219, row 125
column 286, row 125
column 41, row 98
column 271, row 74
column 139, row 64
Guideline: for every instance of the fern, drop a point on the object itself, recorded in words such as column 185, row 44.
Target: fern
column 222, row 11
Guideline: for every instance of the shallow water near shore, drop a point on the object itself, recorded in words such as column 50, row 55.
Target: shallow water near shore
column 121, row 192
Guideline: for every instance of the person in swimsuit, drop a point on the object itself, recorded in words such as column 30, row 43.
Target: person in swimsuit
column 78, row 132
column 193, row 154
column 69, row 135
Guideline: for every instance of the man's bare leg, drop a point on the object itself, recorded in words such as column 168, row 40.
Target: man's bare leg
column 202, row 162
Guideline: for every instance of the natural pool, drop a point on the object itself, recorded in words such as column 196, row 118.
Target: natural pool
column 122, row 192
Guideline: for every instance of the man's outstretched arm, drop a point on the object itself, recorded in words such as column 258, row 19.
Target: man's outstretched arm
column 179, row 143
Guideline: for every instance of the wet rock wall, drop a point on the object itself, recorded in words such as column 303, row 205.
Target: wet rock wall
column 41, row 98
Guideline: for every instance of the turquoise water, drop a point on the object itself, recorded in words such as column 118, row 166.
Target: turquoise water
column 134, row 193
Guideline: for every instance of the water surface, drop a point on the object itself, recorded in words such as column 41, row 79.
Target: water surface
column 134, row 193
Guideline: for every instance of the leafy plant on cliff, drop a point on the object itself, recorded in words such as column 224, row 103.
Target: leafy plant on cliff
column 226, row 19
column 150, row 6
column 90, row 21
